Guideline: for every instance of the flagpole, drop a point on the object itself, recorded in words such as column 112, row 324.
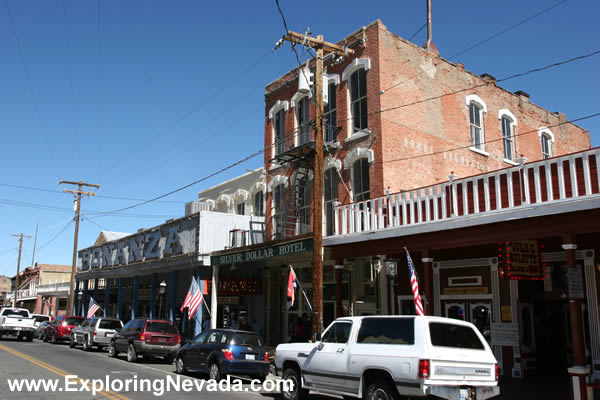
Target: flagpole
column 300, row 286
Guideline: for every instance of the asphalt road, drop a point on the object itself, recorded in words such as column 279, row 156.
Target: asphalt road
column 38, row 360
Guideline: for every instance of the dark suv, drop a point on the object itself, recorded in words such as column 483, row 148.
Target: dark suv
column 146, row 337
column 60, row 328
column 225, row 351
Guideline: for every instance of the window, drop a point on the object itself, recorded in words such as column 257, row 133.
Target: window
column 280, row 131
column 214, row 337
column 476, row 118
column 303, row 121
column 546, row 146
column 508, row 138
column 201, row 338
column 387, row 331
column 330, row 194
column 110, row 324
column 246, row 339
column 161, row 327
column 241, row 208
column 360, row 180
column 278, row 200
column 304, row 214
column 339, row 332
column 358, row 99
column 259, row 204
column 450, row 335
column 330, row 115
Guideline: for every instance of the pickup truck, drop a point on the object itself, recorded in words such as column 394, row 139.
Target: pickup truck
column 389, row 357
column 17, row 322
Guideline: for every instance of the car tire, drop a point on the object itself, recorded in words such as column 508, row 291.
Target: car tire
column 30, row 337
column 297, row 393
column 72, row 341
column 214, row 372
column 180, row 365
column 132, row 355
column 381, row 390
column 54, row 340
column 170, row 358
column 112, row 350
column 86, row 344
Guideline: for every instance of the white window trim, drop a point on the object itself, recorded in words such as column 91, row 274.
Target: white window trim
column 479, row 151
column 473, row 98
column 298, row 96
column 335, row 78
column 277, row 180
column 278, row 106
column 295, row 99
column 506, row 113
column 357, row 153
column 227, row 199
column 331, row 162
column 258, row 187
column 510, row 115
column 241, row 195
column 354, row 65
column 544, row 130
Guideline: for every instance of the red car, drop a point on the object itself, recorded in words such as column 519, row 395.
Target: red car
column 60, row 328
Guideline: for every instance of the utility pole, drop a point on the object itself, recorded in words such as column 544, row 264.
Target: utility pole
column 320, row 46
column 78, row 192
column 20, row 236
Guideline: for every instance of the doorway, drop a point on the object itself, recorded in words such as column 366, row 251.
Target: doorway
column 478, row 312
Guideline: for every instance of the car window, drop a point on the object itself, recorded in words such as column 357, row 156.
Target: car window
column 20, row 313
column 214, row 337
column 161, row 327
column 139, row 324
column 339, row 332
column 41, row 318
column 248, row 339
column 109, row 324
column 224, row 336
column 128, row 325
column 451, row 335
column 387, row 331
column 201, row 338
column 73, row 320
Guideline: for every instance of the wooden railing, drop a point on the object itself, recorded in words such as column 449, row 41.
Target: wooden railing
column 548, row 181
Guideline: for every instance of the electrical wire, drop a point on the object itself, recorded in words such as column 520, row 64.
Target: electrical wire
column 417, row 32
column 55, row 237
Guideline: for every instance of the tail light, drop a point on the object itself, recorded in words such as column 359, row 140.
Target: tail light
column 424, row 368
column 94, row 333
column 266, row 356
column 178, row 339
column 497, row 371
column 64, row 324
column 228, row 354
column 143, row 336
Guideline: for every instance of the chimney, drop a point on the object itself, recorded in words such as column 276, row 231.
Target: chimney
column 523, row 97
column 429, row 45
column 489, row 78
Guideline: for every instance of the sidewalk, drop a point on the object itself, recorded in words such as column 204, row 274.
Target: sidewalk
column 542, row 387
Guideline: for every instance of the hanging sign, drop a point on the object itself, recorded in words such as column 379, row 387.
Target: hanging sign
column 520, row 259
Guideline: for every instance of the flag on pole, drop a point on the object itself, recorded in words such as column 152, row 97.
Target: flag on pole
column 293, row 284
column 193, row 299
column 48, row 304
column 92, row 308
column 414, row 284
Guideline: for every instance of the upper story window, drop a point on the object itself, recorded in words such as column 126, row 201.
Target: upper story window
column 277, row 117
column 278, row 206
column 546, row 139
column 302, row 117
column 356, row 76
column 241, row 209
column 304, row 215
column 476, row 110
column 259, row 204
column 330, row 195
column 509, row 123
column 361, row 186
column 330, row 114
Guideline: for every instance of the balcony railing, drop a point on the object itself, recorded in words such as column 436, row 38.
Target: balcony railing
column 551, row 181
column 55, row 287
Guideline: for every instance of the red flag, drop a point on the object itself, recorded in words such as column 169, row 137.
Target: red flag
column 291, row 288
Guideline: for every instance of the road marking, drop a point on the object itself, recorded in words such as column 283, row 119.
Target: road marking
column 58, row 371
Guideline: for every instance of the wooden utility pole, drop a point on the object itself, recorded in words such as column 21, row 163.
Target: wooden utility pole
column 320, row 46
column 17, row 283
column 78, row 192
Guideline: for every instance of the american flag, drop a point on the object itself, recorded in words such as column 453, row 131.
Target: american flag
column 414, row 284
column 48, row 304
column 193, row 299
column 92, row 308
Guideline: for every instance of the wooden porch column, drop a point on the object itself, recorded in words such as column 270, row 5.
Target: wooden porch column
column 428, row 272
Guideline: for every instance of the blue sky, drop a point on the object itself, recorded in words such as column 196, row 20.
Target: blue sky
column 143, row 97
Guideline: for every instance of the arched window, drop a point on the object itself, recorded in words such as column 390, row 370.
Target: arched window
column 303, row 120
column 509, row 123
column 277, row 115
column 278, row 210
column 259, row 204
column 356, row 76
column 330, row 196
column 546, row 139
column 361, row 186
column 330, row 110
column 476, row 110
column 304, row 215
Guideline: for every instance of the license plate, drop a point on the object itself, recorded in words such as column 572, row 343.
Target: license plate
column 110, row 335
column 162, row 340
column 17, row 328
column 465, row 394
column 250, row 356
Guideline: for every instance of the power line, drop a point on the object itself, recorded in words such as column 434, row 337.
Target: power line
column 417, row 32
column 56, row 236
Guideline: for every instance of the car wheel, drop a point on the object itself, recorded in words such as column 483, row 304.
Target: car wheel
column 131, row 353
column 85, row 346
column 214, row 372
column 54, row 341
column 296, row 392
column 381, row 390
column 72, row 341
column 180, row 365
column 112, row 350
column 169, row 359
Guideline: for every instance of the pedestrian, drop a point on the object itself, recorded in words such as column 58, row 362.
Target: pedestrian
column 233, row 321
column 243, row 325
column 254, row 326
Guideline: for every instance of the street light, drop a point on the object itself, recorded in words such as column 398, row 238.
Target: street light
column 79, row 298
column 162, row 289
column 391, row 268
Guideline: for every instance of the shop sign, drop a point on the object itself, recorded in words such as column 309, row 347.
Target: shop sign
column 236, row 287
column 264, row 253
column 506, row 312
column 575, row 280
column 520, row 259
column 504, row 334
column 467, row 290
column 228, row 300
column 161, row 242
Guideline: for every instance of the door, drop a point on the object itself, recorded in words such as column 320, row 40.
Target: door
column 192, row 355
column 326, row 367
column 478, row 312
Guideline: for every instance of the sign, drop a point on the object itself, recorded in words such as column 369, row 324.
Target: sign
column 575, row 281
column 520, row 259
column 467, row 290
column 263, row 253
column 506, row 312
column 164, row 241
column 228, row 300
column 236, row 287
column 505, row 334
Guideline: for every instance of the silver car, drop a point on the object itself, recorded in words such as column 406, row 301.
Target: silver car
column 94, row 332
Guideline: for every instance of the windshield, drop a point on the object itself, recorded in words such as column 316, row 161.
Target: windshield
column 161, row 327
column 41, row 318
column 247, row 339
column 18, row 313
column 73, row 320
column 450, row 335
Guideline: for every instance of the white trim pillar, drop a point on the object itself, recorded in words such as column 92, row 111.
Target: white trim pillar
column 213, row 297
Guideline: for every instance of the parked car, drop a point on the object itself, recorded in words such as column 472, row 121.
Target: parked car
column 40, row 331
column 219, row 352
column 60, row 328
column 16, row 322
column 39, row 318
column 388, row 357
column 96, row 332
column 147, row 338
